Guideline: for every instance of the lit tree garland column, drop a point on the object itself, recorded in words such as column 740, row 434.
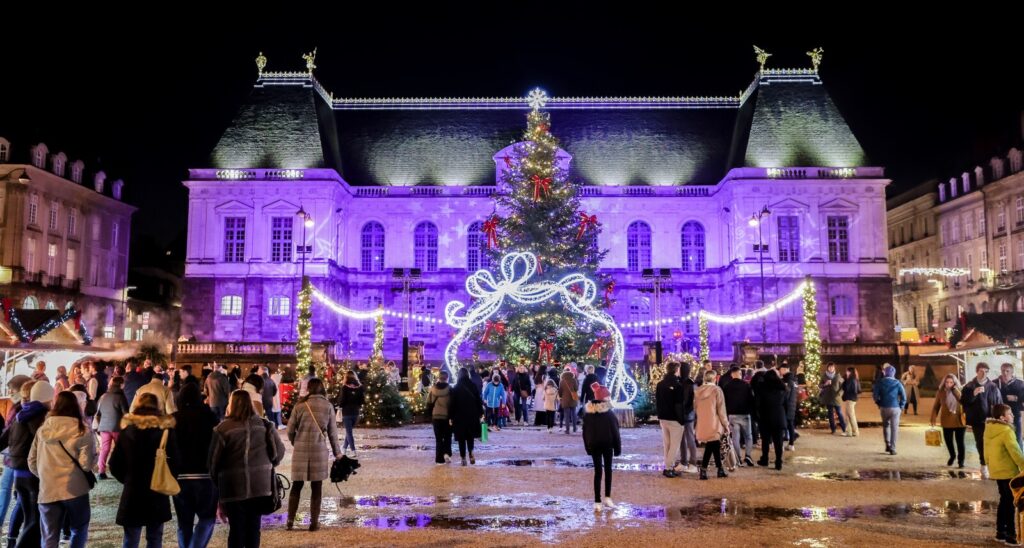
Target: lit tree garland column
column 304, row 348
column 705, row 351
column 377, row 356
column 812, row 407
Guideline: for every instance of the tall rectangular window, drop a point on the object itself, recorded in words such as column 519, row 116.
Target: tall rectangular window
column 112, row 272
column 231, row 305
column 33, row 209
column 370, row 302
column 30, row 255
column 789, row 239
column 424, row 306
column 70, row 272
column 838, row 239
column 981, row 223
column 1020, row 257
column 1002, row 258
column 969, row 226
column 234, row 239
column 281, row 240
column 114, row 234
column 1020, row 210
column 280, row 305
column 72, row 222
column 53, row 215
column 94, row 271
column 51, row 259
column 96, row 229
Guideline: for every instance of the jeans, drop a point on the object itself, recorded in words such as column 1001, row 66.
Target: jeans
column 832, row 420
column 688, row 445
column 1016, row 428
column 712, row 449
column 107, row 440
column 522, row 409
column 958, row 433
column 350, row 423
column 790, row 430
column 850, row 410
column 1004, row 515
column 570, row 418
column 275, row 417
column 740, row 425
column 464, row 445
column 6, row 489
column 154, row 536
column 243, row 523
column 28, row 495
column 671, row 433
column 196, row 509
column 911, row 400
column 75, row 511
column 891, row 427
column 442, row 440
column 492, row 416
column 978, row 429
column 602, row 456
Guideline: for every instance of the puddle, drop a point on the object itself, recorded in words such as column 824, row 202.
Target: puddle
column 397, row 447
column 891, row 475
column 562, row 462
column 740, row 512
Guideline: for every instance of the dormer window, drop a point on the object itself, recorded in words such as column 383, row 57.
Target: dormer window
column 39, row 153
column 5, row 149
column 59, row 162
column 76, row 171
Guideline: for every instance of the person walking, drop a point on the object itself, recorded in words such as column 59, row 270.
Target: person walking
column 569, row 399
column 601, row 441
column 132, row 463
column 831, row 394
column 550, row 398
column 739, row 405
column 351, row 403
column 494, row 399
column 63, row 449
column 244, row 437
column 438, row 401
column 851, row 391
column 522, row 388
column 978, row 397
column 1006, row 462
column 312, row 429
column 950, row 413
column 712, row 422
column 769, row 393
column 790, row 402
column 196, row 504
column 669, row 405
column 891, row 398
column 217, row 389
column 910, row 386
column 112, row 407
column 465, row 408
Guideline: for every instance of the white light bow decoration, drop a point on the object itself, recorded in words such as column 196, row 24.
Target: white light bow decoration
column 516, row 270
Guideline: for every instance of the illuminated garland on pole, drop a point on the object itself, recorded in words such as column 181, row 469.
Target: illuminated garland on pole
column 377, row 356
column 705, row 351
column 303, row 347
column 812, row 407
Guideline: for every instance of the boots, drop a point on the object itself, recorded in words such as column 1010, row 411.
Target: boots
column 703, row 473
column 314, row 513
column 293, row 507
column 722, row 474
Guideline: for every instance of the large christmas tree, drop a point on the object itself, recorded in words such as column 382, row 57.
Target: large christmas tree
column 541, row 214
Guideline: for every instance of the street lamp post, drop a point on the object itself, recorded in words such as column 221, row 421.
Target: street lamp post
column 757, row 219
column 657, row 276
column 406, row 276
column 307, row 222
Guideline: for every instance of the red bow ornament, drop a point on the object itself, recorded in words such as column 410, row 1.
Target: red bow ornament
column 491, row 231
column 544, row 350
column 497, row 327
column 596, row 349
column 540, row 186
column 586, row 222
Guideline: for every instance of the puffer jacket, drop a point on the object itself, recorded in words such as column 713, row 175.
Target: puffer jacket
column 712, row 420
column 601, row 429
column 59, row 478
column 494, row 395
column 947, row 418
column 1002, row 452
column 132, row 464
column 440, row 395
column 242, row 458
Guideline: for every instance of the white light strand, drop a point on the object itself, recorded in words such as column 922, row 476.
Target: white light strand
column 367, row 314
column 516, row 269
column 759, row 313
column 947, row 272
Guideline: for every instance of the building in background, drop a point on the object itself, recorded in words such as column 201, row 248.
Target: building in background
column 407, row 183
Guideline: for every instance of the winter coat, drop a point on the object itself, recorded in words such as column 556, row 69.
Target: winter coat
column 910, row 386
column 1002, row 453
column 132, row 464
column 217, row 389
column 310, row 461
column 946, row 418
column 59, row 478
column 689, row 412
column 520, row 383
column 851, row 389
column 439, row 400
column 243, row 456
column 164, row 398
column 550, row 398
column 110, row 409
column 831, row 390
column 276, row 404
column 17, row 439
column 494, row 395
column 257, row 399
column 269, row 391
column 712, row 420
column 770, row 395
column 888, row 393
column 978, row 408
column 193, row 431
column 568, row 391
column 668, row 399
column 1012, row 393
column 134, row 380
column 587, row 394
column 465, row 408
column 739, row 398
column 474, row 376
column 791, row 397
column 538, row 397
column 601, row 429
column 351, row 400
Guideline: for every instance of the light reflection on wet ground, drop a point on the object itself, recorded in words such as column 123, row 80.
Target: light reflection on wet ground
column 891, row 475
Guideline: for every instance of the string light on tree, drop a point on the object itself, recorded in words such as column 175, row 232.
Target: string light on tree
column 377, row 356
column 304, row 347
column 812, row 407
column 945, row 272
column 702, row 326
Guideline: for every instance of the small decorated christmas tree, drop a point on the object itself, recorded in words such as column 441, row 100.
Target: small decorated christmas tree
column 384, row 405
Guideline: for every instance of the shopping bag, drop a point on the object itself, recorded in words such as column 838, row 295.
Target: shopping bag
column 933, row 437
column 483, row 432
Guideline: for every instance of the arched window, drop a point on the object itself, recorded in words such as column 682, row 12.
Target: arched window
column 693, row 247
column 59, row 161
column 640, row 314
column 842, row 305
column 231, row 305
column 372, row 251
column 50, row 305
column 638, row 246
column 1019, row 307
column 425, row 247
column 5, row 148
column 280, row 306
column 76, row 171
column 30, row 303
column 476, row 248
column 39, row 153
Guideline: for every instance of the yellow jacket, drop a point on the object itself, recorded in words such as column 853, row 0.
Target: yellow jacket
column 1002, row 452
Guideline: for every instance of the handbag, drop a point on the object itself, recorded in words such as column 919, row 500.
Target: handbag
column 932, row 437
column 323, row 436
column 163, row 481
column 90, row 478
column 279, row 485
column 342, row 468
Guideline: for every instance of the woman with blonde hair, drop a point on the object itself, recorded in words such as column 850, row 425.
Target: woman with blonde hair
column 950, row 413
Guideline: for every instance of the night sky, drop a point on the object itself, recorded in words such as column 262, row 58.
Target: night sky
column 147, row 104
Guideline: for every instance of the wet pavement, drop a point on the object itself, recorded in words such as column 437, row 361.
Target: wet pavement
column 892, row 475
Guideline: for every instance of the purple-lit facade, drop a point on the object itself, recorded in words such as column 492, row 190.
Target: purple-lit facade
column 402, row 183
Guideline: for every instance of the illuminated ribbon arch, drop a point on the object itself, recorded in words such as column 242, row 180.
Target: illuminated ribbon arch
column 516, row 269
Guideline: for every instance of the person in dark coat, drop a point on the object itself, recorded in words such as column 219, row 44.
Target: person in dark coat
column 437, row 402
column 134, row 379
column 1011, row 389
column 196, row 504
column 522, row 388
column 601, row 441
column 217, row 389
column 770, row 394
column 18, row 441
column 688, row 444
column 132, row 464
column 474, row 375
column 739, row 405
column 588, row 381
column 466, row 408
column 789, row 404
column 269, row 393
column 670, row 406
column 351, row 402
column 978, row 398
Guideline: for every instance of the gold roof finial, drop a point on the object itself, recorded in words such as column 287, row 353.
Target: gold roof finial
column 261, row 63
column 815, row 55
column 310, row 58
column 762, row 56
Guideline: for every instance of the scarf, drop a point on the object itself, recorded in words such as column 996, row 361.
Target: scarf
column 952, row 404
column 829, row 376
